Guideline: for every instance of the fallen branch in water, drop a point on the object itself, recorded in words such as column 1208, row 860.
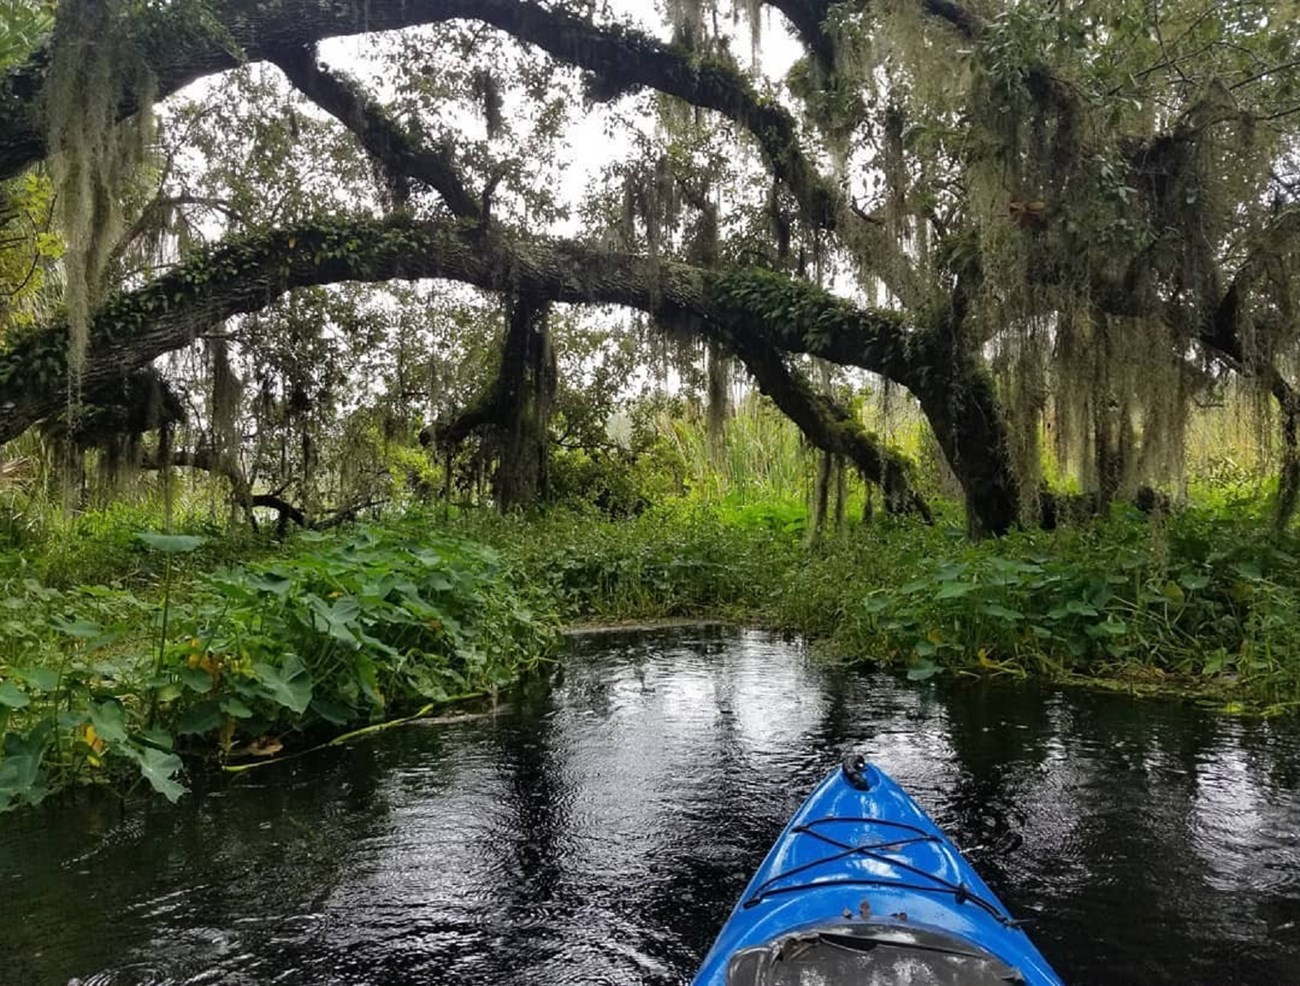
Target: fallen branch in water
column 362, row 733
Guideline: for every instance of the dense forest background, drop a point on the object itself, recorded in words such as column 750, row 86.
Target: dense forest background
column 961, row 333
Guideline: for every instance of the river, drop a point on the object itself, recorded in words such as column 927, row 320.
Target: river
column 598, row 824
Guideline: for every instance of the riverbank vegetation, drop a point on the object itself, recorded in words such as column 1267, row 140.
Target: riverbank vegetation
column 959, row 337
column 130, row 653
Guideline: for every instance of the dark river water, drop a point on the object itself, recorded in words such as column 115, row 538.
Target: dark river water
column 598, row 827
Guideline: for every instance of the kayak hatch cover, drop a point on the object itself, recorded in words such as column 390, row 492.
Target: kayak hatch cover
column 862, row 888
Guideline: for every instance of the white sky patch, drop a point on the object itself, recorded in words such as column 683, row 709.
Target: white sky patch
column 597, row 136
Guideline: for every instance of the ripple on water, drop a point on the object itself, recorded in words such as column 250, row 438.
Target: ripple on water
column 599, row 831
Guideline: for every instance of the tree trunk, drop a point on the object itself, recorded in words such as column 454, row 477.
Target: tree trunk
column 527, row 392
column 821, row 497
column 958, row 396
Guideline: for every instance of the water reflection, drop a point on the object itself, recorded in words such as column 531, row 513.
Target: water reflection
column 598, row 827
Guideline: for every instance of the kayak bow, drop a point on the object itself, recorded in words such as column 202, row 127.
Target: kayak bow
column 862, row 887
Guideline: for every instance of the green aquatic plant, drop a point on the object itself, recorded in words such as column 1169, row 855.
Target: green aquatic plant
column 99, row 685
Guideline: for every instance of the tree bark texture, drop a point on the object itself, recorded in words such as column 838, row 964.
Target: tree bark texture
column 745, row 308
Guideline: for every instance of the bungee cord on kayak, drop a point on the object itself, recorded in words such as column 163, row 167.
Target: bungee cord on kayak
column 961, row 892
column 863, row 887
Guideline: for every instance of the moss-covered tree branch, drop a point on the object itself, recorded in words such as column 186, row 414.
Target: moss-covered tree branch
column 829, row 426
column 249, row 273
column 181, row 46
column 378, row 133
column 808, row 18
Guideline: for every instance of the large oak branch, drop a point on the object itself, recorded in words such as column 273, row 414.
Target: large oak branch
column 829, row 426
column 622, row 59
column 378, row 133
column 179, row 51
column 248, row 274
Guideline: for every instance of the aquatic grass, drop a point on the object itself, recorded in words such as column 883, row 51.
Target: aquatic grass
column 682, row 559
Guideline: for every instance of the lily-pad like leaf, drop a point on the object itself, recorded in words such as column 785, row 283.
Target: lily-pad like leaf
column 160, row 770
column 200, row 719
column 271, row 582
column 954, row 590
column 235, row 708
column 171, row 544
column 290, row 685
column 13, row 696
column 157, row 737
column 109, row 720
column 79, row 628
column 195, row 678
column 40, row 679
column 923, row 671
column 20, row 780
column 333, row 712
column 168, row 692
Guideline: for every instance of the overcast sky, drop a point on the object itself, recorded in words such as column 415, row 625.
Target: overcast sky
column 587, row 146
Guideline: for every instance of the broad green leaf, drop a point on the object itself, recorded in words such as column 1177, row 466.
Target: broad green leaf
column 368, row 678
column 201, row 718
column 20, row 781
column 333, row 712
column 157, row 737
column 235, row 708
column 1001, row 612
column 290, row 685
column 923, row 671
column 109, row 720
column 339, row 617
column 169, row 692
column 69, row 720
column 171, row 544
column 196, row 678
column 160, row 770
column 271, row 582
column 954, row 590
column 20, row 768
column 40, row 679
column 1249, row 570
column 13, row 696
column 80, row 628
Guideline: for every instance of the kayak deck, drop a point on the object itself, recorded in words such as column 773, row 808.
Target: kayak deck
column 860, row 865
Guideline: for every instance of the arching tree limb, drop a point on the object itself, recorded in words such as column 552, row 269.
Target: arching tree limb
column 621, row 58
column 829, row 426
column 264, row 31
column 382, row 138
column 249, row 273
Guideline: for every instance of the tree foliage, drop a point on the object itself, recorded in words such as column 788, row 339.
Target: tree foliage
column 1056, row 224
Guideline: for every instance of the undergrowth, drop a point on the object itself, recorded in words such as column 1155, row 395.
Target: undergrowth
column 112, row 684
column 147, row 654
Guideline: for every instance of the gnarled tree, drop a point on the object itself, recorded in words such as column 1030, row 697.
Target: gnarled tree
column 1073, row 214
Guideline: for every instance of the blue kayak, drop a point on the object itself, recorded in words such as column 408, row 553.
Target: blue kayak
column 863, row 888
